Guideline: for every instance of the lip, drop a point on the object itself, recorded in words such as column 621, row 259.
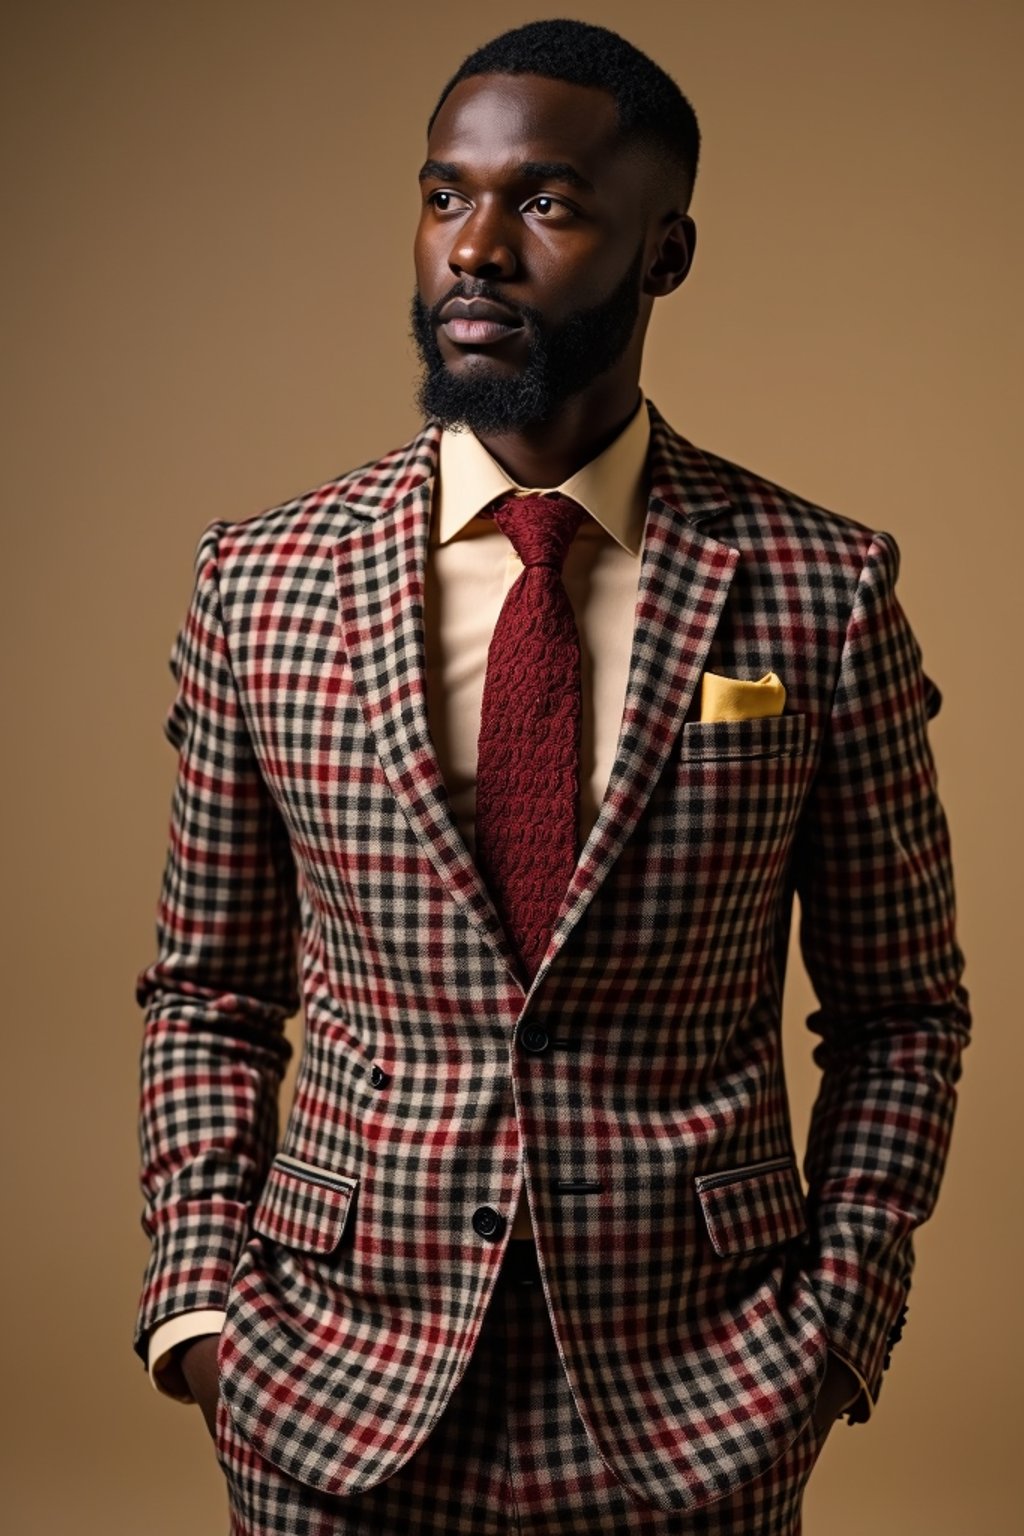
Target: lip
column 478, row 322
column 477, row 333
column 480, row 309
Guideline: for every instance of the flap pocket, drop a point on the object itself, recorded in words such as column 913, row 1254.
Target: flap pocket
column 757, row 1206
column 761, row 736
column 303, row 1206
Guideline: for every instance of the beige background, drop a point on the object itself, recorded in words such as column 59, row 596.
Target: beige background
column 208, row 218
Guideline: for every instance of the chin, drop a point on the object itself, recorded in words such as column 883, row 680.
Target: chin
column 481, row 357
column 478, row 365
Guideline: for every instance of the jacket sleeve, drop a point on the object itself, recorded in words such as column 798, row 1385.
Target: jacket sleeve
column 221, row 985
column 877, row 936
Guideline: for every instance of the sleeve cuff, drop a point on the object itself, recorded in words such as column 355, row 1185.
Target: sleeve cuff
column 164, row 1370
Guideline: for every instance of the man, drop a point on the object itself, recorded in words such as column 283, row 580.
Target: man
column 505, row 756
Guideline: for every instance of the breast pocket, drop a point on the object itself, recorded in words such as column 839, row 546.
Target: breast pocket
column 744, row 740
column 735, row 791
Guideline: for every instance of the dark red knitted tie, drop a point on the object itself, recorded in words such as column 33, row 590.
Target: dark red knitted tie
column 528, row 775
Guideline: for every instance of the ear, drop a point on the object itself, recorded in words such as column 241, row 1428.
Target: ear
column 677, row 241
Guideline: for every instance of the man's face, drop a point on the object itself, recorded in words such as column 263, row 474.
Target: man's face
column 529, row 252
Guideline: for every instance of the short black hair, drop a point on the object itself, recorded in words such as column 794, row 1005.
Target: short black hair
column 652, row 110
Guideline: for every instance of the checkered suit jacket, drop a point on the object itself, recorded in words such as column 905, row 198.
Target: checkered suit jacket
column 694, row 1285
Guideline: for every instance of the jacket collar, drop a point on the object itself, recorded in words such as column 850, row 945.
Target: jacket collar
column 679, row 474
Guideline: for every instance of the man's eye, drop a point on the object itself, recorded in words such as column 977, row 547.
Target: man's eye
column 549, row 208
column 442, row 207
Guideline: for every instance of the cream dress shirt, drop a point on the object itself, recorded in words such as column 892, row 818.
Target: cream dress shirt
column 470, row 567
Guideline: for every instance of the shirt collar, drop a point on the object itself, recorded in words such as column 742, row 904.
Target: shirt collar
column 612, row 486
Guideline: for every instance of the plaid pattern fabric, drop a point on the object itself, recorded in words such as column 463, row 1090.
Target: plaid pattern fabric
column 509, row 1453
column 637, row 1085
column 752, row 1207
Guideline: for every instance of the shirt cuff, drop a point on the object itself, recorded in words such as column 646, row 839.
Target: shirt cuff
column 164, row 1370
column 865, row 1393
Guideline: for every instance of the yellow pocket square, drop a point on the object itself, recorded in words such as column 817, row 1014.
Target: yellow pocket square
column 736, row 698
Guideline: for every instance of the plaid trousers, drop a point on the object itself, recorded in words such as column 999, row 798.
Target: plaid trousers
column 509, row 1456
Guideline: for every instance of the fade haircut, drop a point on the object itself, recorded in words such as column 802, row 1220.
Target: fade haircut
column 652, row 111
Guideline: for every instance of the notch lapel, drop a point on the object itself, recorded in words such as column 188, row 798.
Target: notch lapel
column 379, row 569
column 685, row 575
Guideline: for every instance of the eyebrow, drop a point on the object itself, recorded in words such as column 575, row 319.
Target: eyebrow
column 530, row 170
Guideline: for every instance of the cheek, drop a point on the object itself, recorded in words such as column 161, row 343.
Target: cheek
column 430, row 263
column 425, row 243
column 573, row 274
column 419, row 258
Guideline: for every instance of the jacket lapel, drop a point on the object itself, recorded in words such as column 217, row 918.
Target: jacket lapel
column 379, row 571
column 685, row 575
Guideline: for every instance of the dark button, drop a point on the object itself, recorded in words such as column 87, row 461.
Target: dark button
column 488, row 1222
column 378, row 1077
column 534, row 1037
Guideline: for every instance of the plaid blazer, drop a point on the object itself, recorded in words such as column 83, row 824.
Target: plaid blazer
column 636, row 1083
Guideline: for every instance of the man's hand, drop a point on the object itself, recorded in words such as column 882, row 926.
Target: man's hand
column 198, row 1361
column 837, row 1392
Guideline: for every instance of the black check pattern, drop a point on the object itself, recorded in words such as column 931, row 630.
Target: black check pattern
column 508, row 1455
column 313, row 861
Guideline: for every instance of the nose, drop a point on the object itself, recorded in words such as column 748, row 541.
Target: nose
column 483, row 246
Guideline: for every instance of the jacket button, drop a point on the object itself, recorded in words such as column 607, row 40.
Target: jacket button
column 378, row 1077
column 534, row 1037
column 488, row 1222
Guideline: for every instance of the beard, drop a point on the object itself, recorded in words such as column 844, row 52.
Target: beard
column 562, row 360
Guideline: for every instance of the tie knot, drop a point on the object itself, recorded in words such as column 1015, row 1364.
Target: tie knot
column 541, row 528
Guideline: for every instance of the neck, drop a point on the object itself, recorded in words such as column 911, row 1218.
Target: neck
column 548, row 453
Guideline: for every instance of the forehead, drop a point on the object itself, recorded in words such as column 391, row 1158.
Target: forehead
column 489, row 121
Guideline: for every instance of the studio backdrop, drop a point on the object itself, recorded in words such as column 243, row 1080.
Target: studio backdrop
column 209, row 210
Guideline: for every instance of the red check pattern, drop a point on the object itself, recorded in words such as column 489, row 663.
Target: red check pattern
column 693, row 1285
column 510, row 1453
